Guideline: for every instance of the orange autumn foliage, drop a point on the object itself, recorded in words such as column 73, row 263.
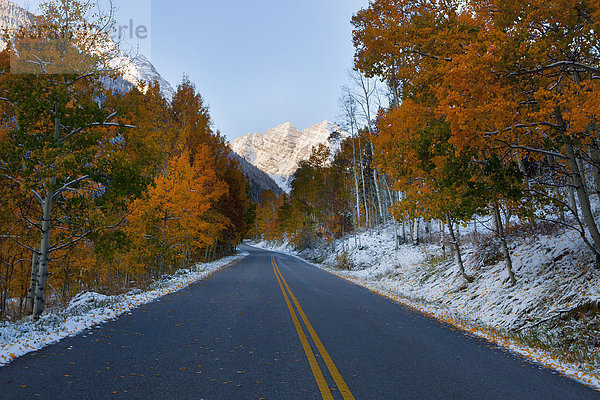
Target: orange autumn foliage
column 174, row 217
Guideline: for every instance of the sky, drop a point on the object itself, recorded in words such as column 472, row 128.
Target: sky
column 257, row 63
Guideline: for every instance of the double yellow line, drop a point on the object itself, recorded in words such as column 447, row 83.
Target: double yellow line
column 312, row 361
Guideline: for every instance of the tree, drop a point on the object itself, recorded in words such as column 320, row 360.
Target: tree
column 174, row 216
column 526, row 86
column 192, row 117
column 67, row 147
column 440, row 157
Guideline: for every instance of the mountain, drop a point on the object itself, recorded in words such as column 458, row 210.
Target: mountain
column 279, row 150
column 137, row 71
column 258, row 180
column 12, row 16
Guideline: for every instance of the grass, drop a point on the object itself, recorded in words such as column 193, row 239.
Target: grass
column 432, row 267
column 577, row 343
column 343, row 261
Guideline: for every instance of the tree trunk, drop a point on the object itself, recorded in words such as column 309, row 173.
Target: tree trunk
column 356, row 183
column 362, row 174
column 396, row 236
column 572, row 201
column 42, row 275
column 35, row 262
column 595, row 156
column 503, row 244
column 415, row 237
column 443, row 238
column 456, row 245
column 578, row 179
column 428, row 230
column 583, row 174
column 583, row 197
column 376, row 180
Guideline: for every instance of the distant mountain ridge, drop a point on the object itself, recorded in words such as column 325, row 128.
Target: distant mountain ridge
column 12, row 16
column 137, row 71
column 279, row 150
column 258, row 180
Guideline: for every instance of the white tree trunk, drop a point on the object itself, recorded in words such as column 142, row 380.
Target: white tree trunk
column 579, row 181
column 42, row 275
column 443, row 238
column 356, row 189
column 583, row 197
column 362, row 174
column 35, row 262
column 595, row 156
column 376, row 180
column 572, row 201
column 415, row 237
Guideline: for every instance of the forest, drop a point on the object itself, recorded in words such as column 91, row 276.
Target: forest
column 459, row 111
column 102, row 189
column 444, row 240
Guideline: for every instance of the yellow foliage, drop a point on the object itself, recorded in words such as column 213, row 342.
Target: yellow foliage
column 174, row 216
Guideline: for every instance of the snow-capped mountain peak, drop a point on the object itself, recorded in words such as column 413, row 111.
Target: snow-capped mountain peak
column 12, row 16
column 137, row 70
column 279, row 150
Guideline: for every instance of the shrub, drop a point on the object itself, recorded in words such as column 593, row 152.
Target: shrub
column 344, row 261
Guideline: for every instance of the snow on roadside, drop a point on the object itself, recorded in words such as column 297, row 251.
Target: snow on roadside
column 554, row 273
column 89, row 309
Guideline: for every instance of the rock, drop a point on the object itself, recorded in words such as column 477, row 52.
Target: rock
column 280, row 149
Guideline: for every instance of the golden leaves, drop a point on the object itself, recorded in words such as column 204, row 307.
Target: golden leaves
column 174, row 215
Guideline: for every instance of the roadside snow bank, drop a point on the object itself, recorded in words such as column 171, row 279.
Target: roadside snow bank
column 88, row 309
column 540, row 317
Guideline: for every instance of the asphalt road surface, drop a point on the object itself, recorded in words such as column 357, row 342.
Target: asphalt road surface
column 274, row 327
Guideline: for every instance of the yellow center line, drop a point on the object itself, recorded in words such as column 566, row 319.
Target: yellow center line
column 337, row 377
column 314, row 366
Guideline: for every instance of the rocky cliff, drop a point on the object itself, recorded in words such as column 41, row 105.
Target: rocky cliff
column 278, row 151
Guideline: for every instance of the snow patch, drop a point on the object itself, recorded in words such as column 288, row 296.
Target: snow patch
column 85, row 300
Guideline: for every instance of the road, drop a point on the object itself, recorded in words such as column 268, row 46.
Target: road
column 274, row 327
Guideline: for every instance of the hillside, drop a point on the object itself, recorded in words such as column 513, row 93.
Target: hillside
column 258, row 180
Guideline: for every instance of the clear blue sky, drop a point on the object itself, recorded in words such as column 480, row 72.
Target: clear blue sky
column 257, row 63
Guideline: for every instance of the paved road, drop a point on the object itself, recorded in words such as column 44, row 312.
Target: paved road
column 274, row 327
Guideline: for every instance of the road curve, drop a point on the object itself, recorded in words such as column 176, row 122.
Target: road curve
column 274, row 327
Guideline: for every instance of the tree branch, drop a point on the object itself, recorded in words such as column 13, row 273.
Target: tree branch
column 66, row 186
column 83, row 236
column 534, row 150
column 38, row 197
column 96, row 124
column 559, row 64
column 36, row 251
